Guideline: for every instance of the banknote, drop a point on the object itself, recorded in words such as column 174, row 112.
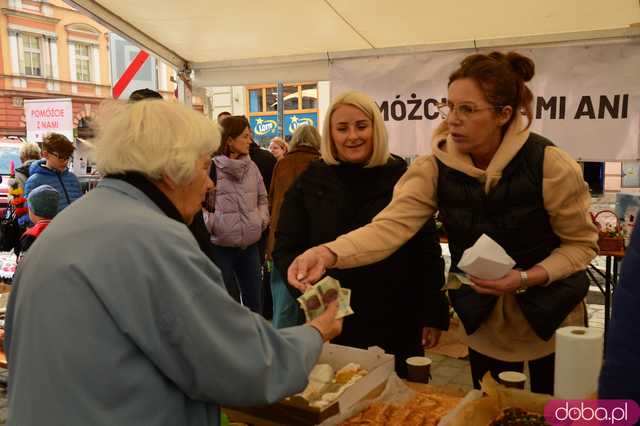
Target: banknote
column 344, row 308
column 315, row 300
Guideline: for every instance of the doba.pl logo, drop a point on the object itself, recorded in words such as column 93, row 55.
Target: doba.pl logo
column 616, row 412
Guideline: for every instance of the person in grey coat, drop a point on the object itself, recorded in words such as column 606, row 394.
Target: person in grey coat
column 118, row 318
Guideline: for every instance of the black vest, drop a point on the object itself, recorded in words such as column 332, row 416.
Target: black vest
column 513, row 215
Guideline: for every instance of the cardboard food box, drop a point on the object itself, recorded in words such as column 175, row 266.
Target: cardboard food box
column 296, row 411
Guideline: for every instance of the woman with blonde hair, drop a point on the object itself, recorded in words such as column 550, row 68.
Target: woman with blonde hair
column 118, row 288
column 305, row 147
column 278, row 148
column 397, row 301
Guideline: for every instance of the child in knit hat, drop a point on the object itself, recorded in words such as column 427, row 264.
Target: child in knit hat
column 43, row 206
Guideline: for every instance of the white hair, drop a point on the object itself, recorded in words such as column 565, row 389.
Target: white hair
column 364, row 103
column 29, row 151
column 154, row 137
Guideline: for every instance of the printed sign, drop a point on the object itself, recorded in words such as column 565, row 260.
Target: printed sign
column 44, row 116
column 265, row 126
column 293, row 121
column 588, row 103
column 125, row 55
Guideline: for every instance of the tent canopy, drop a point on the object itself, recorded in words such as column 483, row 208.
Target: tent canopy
column 246, row 41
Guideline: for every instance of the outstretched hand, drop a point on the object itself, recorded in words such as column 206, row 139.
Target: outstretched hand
column 309, row 267
column 327, row 324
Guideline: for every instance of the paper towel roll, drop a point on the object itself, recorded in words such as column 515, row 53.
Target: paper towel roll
column 578, row 362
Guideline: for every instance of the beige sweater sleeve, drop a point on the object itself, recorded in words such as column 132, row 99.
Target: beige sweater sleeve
column 567, row 200
column 413, row 203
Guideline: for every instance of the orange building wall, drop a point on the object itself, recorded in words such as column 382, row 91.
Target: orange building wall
column 5, row 59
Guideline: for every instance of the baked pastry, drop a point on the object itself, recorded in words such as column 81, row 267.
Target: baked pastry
column 425, row 409
column 319, row 379
column 517, row 416
column 376, row 414
column 348, row 372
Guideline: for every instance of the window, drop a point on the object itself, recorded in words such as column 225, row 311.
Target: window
column 255, row 100
column 631, row 174
column 9, row 152
column 31, row 54
column 309, row 96
column 291, row 96
column 83, row 62
column 299, row 102
column 297, row 98
column 272, row 98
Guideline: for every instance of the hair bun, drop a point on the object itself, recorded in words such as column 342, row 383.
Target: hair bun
column 521, row 65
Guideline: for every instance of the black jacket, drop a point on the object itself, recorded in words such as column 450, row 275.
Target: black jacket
column 392, row 299
column 513, row 214
column 202, row 236
column 265, row 162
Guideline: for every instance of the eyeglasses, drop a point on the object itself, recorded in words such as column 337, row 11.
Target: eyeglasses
column 463, row 111
column 61, row 157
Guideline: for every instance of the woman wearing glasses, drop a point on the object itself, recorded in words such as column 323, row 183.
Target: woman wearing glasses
column 52, row 170
column 489, row 174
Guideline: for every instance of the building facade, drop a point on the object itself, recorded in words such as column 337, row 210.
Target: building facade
column 50, row 50
column 304, row 103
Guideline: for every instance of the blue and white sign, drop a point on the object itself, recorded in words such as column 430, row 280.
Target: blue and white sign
column 264, row 126
column 292, row 121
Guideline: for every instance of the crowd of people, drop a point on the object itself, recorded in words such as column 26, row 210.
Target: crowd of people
column 163, row 277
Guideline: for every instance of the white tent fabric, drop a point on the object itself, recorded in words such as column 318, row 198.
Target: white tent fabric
column 241, row 41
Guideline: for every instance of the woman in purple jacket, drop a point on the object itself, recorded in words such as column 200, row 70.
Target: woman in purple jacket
column 240, row 213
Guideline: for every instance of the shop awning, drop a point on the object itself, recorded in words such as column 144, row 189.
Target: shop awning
column 250, row 41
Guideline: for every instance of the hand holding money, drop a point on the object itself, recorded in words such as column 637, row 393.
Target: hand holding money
column 327, row 324
column 315, row 301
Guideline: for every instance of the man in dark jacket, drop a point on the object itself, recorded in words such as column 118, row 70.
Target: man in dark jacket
column 265, row 162
column 620, row 378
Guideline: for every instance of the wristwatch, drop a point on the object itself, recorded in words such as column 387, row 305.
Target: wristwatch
column 524, row 282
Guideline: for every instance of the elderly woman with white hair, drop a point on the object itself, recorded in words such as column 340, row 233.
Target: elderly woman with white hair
column 397, row 302
column 118, row 318
column 29, row 152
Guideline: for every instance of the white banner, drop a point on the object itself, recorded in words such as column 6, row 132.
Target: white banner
column 587, row 98
column 45, row 116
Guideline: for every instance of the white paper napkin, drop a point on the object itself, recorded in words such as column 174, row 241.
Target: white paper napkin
column 486, row 259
